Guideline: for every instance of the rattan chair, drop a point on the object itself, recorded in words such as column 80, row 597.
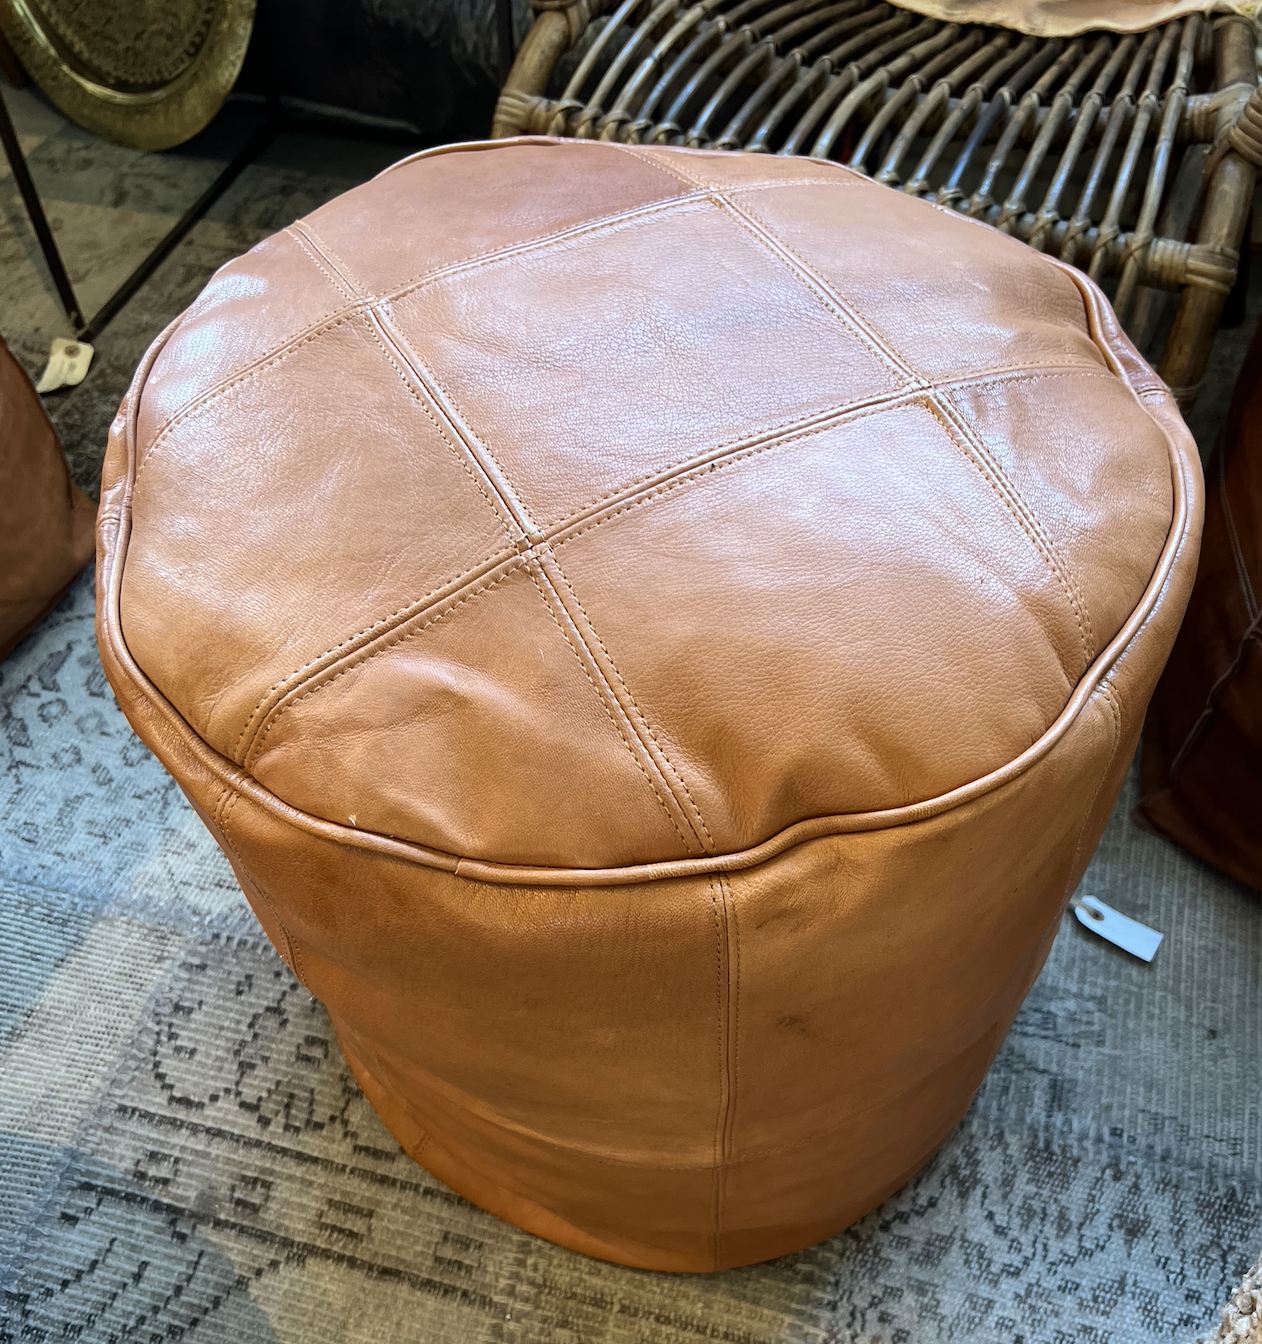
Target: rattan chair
column 1133, row 157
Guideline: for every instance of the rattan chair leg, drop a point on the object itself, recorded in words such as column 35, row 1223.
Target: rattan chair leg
column 546, row 42
column 1228, row 196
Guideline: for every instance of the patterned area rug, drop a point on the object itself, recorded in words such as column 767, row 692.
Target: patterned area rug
column 184, row 1154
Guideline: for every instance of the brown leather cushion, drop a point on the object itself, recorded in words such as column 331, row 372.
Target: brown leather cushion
column 1059, row 18
column 46, row 521
column 658, row 634
column 1202, row 757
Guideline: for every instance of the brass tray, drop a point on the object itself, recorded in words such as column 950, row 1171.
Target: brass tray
column 143, row 73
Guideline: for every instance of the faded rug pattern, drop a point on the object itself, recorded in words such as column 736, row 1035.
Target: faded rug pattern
column 184, row 1154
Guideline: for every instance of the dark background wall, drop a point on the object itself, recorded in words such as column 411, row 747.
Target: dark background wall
column 432, row 65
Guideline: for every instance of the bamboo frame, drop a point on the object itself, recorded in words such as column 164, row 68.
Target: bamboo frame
column 1105, row 150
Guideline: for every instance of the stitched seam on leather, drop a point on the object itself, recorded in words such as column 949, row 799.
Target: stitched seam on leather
column 278, row 354
column 974, row 449
column 330, row 273
column 914, row 397
column 1115, row 718
column 249, row 727
column 640, row 721
column 474, row 260
column 291, row 947
column 707, row 1164
column 526, row 246
column 1210, row 708
column 733, row 964
column 513, row 502
column 817, row 422
column 238, row 382
column 513, row 505
column 1175, row 547
column 626, row 742
column 726, row 882
column 1028, row 372
column 335, row 262
column 614, row 708
column 272, row 357
column 378, row 627
column 605, row 223
column 1233, row 537
column 830, row 419
column 317, row 685
column 471, row 443
column 774, row 183
column 414, row 609
column 1066, row 575
column 595, row 226
column 802, row 272
column 910, row 397
column 408, row 612
column 329, row 322
column 720, row 1113
column 461, row 456
column 699, row 195
column 824, row 292
column 881, row 344
column 755, row 1154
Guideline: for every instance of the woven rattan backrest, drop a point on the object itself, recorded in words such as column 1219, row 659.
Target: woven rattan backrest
column 1093, row 148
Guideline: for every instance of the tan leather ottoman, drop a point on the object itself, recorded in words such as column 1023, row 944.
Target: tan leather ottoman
column 657, row 679
column 47, row 523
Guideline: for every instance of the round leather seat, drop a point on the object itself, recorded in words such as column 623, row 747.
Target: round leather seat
column 658, row 634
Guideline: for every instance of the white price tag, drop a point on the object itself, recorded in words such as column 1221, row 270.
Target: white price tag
column 1128, row 934
column 67, row 365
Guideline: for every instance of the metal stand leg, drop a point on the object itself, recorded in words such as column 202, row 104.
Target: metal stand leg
column 89, row 331
column 110, row 308
column 30, row 198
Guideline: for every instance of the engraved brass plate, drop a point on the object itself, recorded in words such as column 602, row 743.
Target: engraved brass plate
column 143, row 73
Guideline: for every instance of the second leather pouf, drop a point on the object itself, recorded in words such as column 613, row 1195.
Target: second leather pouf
column 658, row 634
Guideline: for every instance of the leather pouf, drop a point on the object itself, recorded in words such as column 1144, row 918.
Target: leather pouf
column 658, row 635
column 47, row 524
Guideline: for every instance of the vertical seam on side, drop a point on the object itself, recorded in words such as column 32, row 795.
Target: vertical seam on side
column 1237, row 551
column 734, row 1010
column 1115, row 719
column 720, row 1117
column 1209, row 709
column 727, row 948
column 290, row 952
